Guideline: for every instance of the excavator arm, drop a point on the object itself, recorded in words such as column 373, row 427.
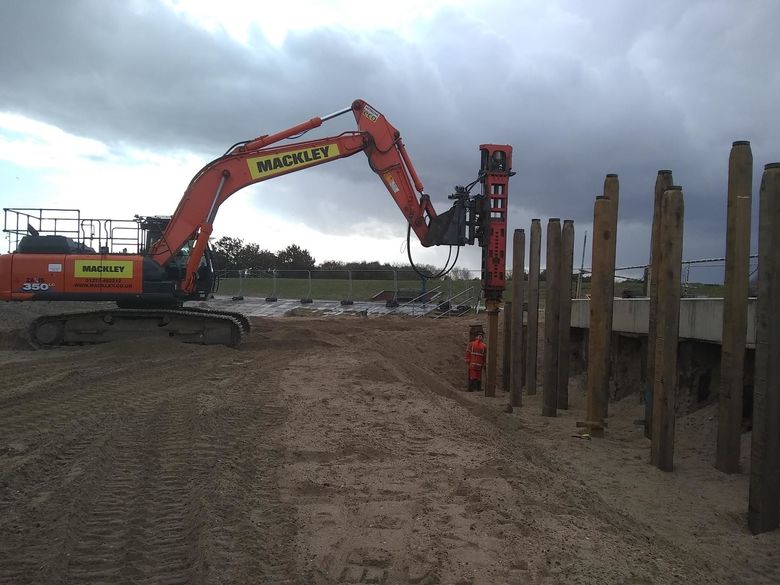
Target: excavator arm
column 262, row 159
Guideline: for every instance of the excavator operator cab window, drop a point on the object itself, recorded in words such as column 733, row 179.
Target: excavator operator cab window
column 181, row 259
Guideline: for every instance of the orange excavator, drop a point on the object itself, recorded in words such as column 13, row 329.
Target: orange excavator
column 173, row 261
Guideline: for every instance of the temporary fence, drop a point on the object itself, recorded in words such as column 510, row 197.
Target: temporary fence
column 396, row 288
column 703, row 277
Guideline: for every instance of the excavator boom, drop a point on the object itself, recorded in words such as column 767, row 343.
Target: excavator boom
column 262, row 159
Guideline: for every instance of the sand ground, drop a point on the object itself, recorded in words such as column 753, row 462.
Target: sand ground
column 341, row 451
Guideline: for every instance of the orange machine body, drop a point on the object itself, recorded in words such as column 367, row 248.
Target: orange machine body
column 25, row 277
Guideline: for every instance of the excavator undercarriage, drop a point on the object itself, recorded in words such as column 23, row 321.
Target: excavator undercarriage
column 186, row 324
column 110, row 252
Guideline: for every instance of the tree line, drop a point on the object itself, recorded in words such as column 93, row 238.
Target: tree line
column 233, row 254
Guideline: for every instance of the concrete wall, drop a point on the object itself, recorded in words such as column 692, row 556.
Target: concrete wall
column 701, row 323
column 700, row 319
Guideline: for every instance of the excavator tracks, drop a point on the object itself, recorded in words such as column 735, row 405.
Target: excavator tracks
column 240, row 317
column 189, row 325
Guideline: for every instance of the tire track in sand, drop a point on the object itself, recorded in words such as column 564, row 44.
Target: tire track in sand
column 149, row 481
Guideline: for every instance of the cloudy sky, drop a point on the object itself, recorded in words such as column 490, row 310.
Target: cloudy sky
column 111, row 107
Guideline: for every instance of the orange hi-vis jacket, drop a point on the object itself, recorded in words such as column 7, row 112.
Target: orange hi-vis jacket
column 475, row 358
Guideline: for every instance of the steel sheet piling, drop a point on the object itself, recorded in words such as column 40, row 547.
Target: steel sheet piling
column 552, row 310
column 667, row 331
column 534, row 258
column 763, row 512
column 732, row 356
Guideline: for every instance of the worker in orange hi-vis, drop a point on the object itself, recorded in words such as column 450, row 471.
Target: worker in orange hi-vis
column 475, row 358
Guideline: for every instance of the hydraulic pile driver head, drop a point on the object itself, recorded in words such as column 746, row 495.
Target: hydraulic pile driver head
column 495, row 170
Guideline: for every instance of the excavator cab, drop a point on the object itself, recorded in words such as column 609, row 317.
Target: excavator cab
column 206, row 278
column 57, row 254
column 169, row 276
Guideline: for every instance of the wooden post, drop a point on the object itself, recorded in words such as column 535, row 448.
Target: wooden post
column 763, row 513
column 506, row 362
column 611, row 192
column 564, row 336
column 491, row 306
column 662, row 182
column 524, row 352
column 599, row 329
column 518, row 299
column 667, row 331
column 552, row 311
column 732, row 349
column 534, row 258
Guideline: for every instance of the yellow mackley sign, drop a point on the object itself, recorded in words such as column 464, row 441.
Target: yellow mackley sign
column 262, row 167
column 103, row 269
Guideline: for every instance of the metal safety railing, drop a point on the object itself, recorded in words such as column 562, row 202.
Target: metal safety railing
column 470, row 295
column 419, row 304
column 92, row 234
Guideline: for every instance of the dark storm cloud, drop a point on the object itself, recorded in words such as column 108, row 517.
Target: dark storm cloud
column 139, row 76
column 579, row 90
